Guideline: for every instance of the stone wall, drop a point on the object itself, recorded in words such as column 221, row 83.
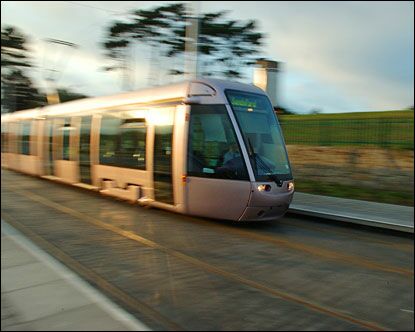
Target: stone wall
column 368, row 167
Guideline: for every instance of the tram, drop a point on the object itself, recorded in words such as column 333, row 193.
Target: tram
column 204, row 147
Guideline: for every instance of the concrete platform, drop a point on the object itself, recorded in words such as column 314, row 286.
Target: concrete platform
column 389, row 216
column 38, row 293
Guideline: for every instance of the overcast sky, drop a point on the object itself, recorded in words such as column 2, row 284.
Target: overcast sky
column 337, row 56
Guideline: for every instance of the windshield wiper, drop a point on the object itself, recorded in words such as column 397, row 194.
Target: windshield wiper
column 268, row 171
column 264, row 167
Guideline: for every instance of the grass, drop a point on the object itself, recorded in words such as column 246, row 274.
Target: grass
column 351, row 192
column 401, row 114
column 392, row 129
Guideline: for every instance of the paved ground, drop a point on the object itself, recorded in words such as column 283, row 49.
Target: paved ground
column 174, row 272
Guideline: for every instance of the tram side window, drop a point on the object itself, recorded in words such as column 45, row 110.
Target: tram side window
column 4, row 138
column 131, row 150
column 213, row 150
column 108, row 140
column 123, row 142
column 13, row 138
column 66, row 131
column 25, row 138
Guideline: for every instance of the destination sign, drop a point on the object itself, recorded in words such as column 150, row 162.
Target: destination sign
column 246, row 101
column 243, row 102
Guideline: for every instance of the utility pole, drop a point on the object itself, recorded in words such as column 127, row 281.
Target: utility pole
column 192, row 34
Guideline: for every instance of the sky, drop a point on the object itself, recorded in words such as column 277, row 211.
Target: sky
column 336, row 56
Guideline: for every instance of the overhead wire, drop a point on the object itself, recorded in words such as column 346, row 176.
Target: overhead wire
column 83, row 29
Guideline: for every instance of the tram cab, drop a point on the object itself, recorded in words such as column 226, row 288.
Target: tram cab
column 236, row 153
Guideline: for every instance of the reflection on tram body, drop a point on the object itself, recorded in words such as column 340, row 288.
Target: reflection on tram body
column 204, row 147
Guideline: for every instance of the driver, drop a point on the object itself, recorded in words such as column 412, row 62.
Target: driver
column 231, row 154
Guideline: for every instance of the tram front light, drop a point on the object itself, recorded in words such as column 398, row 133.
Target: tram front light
column 264, row 187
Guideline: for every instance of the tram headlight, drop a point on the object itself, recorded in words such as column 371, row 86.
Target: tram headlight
column 290, row 186
column 264, row 187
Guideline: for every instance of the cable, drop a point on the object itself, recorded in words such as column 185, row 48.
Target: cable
column 93, row 7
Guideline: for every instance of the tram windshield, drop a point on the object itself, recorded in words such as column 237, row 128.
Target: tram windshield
column 262, row 135
column 213, row 149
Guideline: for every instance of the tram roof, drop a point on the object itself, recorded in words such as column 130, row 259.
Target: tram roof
column 166, row 93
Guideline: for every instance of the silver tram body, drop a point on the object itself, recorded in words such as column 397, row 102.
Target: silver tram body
column 208, row 148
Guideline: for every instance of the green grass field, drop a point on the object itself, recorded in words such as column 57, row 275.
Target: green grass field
column 391, row 129
column 401, row 114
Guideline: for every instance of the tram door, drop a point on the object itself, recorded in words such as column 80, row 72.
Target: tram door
column 162, row 164
column 84, row 150
column 163, row 156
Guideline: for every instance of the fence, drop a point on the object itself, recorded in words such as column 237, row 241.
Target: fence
column 371, row 132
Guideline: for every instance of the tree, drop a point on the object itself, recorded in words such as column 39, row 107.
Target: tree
column 224, row 46
column 315, row 111
column 18, row 91
column 67, row 95
column 13, row 50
